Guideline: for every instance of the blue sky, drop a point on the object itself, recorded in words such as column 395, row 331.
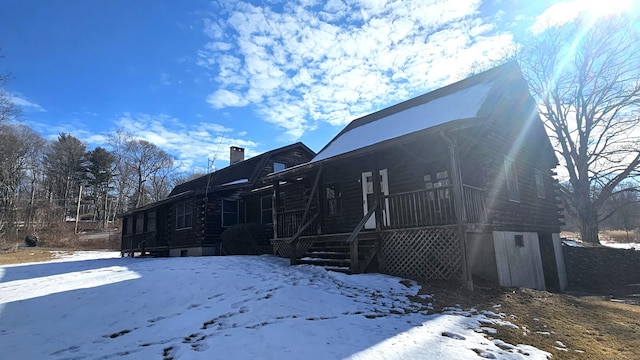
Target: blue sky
column 195, row 77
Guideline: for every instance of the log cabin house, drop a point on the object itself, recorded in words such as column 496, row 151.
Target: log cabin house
column 191, row 220
column 455, row 183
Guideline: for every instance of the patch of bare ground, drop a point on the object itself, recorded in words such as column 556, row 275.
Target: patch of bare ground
column 27, row 255
column 54, row 242
column 569, row 326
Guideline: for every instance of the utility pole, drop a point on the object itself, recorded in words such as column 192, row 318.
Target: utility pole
column 78, row 209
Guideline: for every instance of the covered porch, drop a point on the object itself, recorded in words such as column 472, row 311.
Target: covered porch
column 384, row 212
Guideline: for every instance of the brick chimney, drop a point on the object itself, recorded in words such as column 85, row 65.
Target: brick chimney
column 236, row 155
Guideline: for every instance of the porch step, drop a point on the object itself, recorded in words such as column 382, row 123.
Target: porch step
column 344, row 270
column 326, row 263
column 333, row 253
column 328, row 254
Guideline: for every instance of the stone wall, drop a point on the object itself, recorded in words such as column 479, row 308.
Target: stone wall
column 592, row 268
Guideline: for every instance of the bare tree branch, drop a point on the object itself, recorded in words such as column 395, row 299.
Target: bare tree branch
column 587, row 81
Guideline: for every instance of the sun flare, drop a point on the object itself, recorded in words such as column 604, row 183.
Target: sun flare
column 564, row 12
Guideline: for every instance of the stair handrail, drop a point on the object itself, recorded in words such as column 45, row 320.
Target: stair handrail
column 353, row 239
column 358, row 228
column 302, row 229
column 293, row 241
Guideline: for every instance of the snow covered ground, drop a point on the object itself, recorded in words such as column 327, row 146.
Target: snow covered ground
column 96, row 305
column 629, row 246
column 605, row 242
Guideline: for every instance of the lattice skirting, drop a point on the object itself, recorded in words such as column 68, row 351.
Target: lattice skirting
column 427, row 253
column 283, row 248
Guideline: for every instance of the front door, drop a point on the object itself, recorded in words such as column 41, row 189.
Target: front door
column 367, row 197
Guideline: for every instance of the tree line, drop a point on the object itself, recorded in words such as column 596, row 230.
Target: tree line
column 44, row 183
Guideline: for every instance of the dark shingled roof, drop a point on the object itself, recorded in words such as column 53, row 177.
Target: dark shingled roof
column 248, row 169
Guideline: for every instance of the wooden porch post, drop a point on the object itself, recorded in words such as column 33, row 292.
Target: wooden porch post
column 459, row 209
column 377, row 193
column 274, row 208
column 319, row 195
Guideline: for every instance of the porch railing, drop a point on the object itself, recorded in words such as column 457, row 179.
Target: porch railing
column 137, row 241
column 432, row 207
column 475, row 204
column 289, row 222
column 426, row 207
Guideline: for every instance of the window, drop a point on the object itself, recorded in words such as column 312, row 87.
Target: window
column 266, row 211
column 539, row 183
column 126, row 226
column 139, row 229
column 184, row 215
column 333, row 196
column 519, row 239
column 150, row 221
column 512, row 180
column 229, row 212
column 427, row 182
column 282, row 199
column 441, row 180
column 277, row 167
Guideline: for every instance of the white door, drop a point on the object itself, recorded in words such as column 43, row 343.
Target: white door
column 367, row 197
column 518, row 259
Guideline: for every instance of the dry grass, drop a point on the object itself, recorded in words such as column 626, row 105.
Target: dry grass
column 27, row 255
column 56, row 240
column 589, row 327
column 619, row 236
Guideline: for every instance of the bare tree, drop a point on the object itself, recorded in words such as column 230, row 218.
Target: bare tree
column 8, row 110
column 586, row 78
column 18, row 147
column 162, row 182
column 146, row 161
column 622, row 210
column 121, row 171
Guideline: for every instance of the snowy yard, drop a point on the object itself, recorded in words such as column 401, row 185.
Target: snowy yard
column 96, row 305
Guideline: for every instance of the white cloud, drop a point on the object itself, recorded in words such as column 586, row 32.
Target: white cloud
column 224, row 98
column 25, row 104
column 304, row 63
column 165, row 79
column 192, row 145
column 565, row 12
